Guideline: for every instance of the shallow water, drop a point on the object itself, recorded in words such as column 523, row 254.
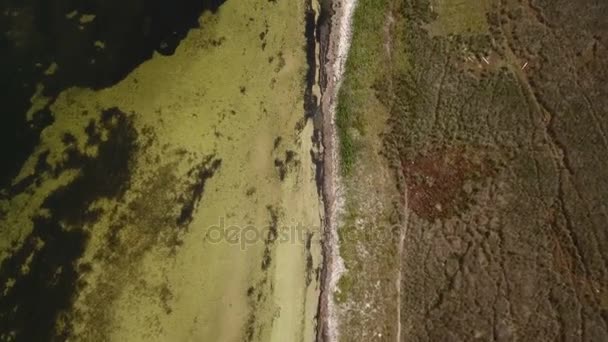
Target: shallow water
column 129, row 161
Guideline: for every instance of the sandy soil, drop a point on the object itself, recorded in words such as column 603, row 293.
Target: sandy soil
column 337, row 51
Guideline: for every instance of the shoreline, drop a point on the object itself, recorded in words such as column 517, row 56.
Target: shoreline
column 334, row 50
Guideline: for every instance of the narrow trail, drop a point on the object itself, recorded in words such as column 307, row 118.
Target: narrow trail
column 336, row 52
column 402, row 235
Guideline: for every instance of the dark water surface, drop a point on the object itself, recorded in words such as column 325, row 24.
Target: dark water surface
column 39, row 32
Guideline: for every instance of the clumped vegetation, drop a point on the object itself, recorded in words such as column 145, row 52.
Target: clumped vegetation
column 494, row 136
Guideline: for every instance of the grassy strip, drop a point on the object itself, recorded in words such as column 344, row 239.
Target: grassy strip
column 344, row 118
column 357, row 107
column 362, row 68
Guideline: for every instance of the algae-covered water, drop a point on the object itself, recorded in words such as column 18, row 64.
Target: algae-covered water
column 175, row 201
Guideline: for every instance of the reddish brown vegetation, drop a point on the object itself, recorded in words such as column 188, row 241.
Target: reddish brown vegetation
column 436, row 180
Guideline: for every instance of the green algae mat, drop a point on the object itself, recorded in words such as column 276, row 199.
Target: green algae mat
column 178, row 204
